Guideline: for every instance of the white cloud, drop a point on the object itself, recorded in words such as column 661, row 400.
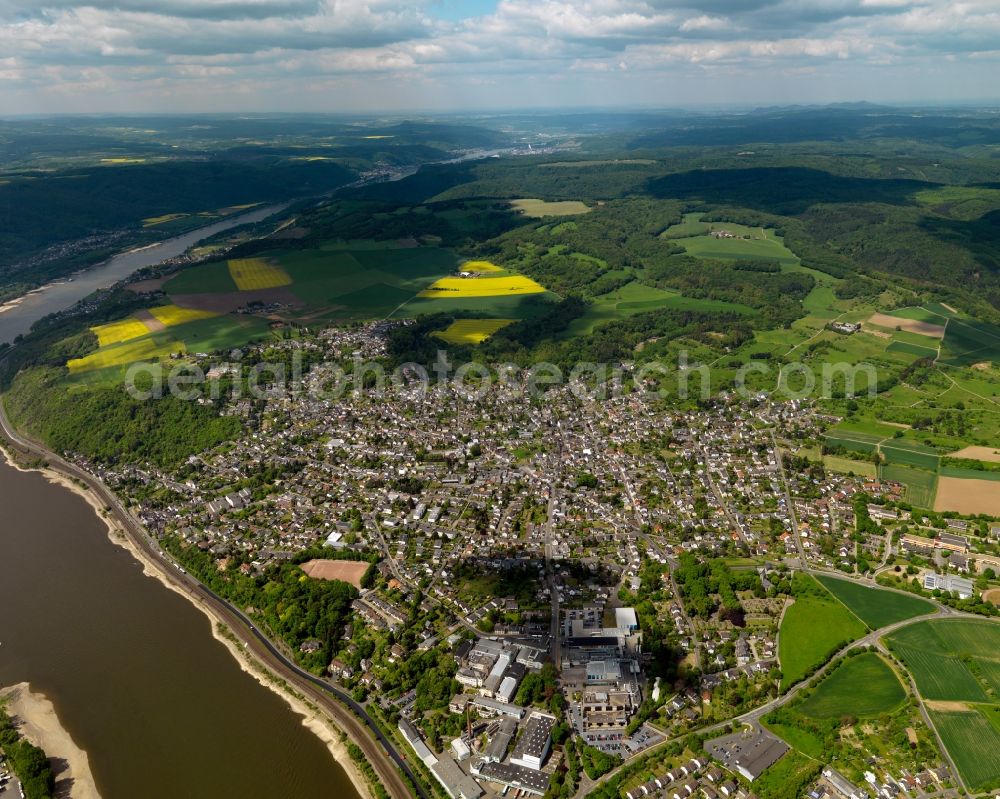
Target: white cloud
column 283, row 46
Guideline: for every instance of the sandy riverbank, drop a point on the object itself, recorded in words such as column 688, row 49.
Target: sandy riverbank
column 313, row 719
column 37, row 721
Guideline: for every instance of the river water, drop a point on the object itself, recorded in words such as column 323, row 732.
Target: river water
column 17, row 316
column 161, row 707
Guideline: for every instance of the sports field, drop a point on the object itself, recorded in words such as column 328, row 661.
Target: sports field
column 876, row 607
column 813, row 628
column 251, row 274
column 938, row 653
column 973, row 743
column 458, row 287
column 348, row 571
column 472, row 331
column 863, row 686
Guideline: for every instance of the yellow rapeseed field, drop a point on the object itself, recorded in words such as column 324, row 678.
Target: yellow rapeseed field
column 255, row 273
column 480, row 266
column 459, row 287
column 171, row 315
column 115, row 332
column 472, row 331
column 145, row 349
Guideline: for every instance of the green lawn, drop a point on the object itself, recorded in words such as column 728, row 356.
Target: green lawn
column 876, row 607
column 974, row 744
column 863, row 686
column 813, row 628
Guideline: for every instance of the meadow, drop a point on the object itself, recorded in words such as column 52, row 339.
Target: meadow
column 748, row 243
column 863, row 686
column 635, row 298
column 876, row 607
column 973, row 743
column 813, row 628
column 541, row 208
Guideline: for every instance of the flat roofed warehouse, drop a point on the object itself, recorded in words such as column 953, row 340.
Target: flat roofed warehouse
column 533, row 747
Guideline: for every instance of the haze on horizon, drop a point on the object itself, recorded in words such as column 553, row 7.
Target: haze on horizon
column 385, row 55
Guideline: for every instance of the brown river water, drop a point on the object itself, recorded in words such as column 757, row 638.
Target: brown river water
column 162, row 709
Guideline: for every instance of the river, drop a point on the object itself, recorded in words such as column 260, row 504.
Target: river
column 136, row 677
column 17, row 316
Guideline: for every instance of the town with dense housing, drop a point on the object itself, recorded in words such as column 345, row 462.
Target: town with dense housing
column 572, row 593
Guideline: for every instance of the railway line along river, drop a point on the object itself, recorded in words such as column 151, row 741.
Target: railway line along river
column 133, row 671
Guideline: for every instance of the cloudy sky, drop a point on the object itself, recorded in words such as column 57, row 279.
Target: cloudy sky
column 385, row 55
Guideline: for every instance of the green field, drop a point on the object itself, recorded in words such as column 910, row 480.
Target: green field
column 337, row 282
column 520, row 306
column 834, row 463
column 813, row 628
column 107, row 366
column 907, row 453
column 691, row 226
column 876, row 607
column 635, row 298
column 211, row 278
column 863, row 686
column 852, row 444
column 921, row 485
column 969, row 474
column 912, row 349
column 938, row 654
column 969, row 341
column 760, row 246
column 974, row 744
column 920, row 314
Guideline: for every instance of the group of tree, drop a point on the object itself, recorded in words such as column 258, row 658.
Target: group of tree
column 27, row 761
